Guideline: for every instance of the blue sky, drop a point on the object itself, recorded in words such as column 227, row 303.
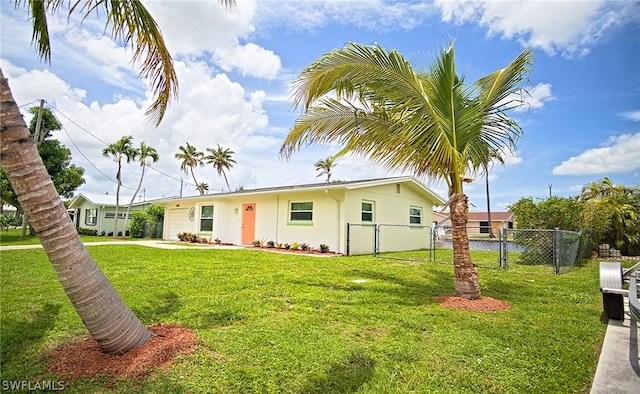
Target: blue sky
column 235, row 70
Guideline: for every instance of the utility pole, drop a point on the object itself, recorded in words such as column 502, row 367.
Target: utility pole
column 181, row 182
column 37, row 140
column 550, row 190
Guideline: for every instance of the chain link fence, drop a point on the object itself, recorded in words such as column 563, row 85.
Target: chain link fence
column 556, row 248
column 153, row 230
column 383, row 240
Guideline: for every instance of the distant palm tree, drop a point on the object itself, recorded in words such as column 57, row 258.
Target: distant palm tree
column 325, row 166
column 144, row 154
column 119, row 150
column 191, row 157
column 221, row 160
column 492, row 158
column 202, row 188
column 428, row 122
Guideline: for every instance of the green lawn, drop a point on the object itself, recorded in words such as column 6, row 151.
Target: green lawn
column 297, row 324
column 12, row 237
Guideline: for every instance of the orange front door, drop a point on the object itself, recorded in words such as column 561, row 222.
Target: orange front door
column 248, row 223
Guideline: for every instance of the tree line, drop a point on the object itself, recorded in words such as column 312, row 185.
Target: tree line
column 609, row 210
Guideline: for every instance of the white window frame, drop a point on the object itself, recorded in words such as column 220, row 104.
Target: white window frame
column 371, row 212
column 292, row 211
column 412, row 215
column 207, row 218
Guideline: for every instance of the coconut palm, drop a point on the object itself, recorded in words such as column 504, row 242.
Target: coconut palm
column 492, row 158
column 427, row 122
column 221, row 160
column 325, row 166
column 191, row 157
column 143, row 154
column 202, row 188
column 106, row 316
column 119, row 150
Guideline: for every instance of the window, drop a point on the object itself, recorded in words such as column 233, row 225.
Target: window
column 415, row 215
column 112, row 215
column 91, row 217
column 367, row 212
column 206, row 218
column 301, row 211
column 484, row 227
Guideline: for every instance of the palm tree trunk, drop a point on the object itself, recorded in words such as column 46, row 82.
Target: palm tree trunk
column 465, row 273
column 226, row 181
column 103, row 312
column 196, row 182
column 489, row 208
column 126, row 217
column 118, row 176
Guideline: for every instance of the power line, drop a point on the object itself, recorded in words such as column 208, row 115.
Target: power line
column 93, row 165
column 80, row 127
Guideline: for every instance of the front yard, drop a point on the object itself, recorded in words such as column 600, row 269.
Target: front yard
column 296, row 324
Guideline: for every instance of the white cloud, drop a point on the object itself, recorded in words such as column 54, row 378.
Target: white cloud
column 249, row 59
column 567, row 27
column 631, row 115
column 620, row 155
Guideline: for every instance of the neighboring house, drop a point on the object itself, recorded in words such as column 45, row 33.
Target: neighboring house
column 313, row 214
column 478, row 222
column 98, row 211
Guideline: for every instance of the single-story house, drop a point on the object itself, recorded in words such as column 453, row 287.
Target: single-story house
column 478, row 222
column 98, row 211
column 313, row 214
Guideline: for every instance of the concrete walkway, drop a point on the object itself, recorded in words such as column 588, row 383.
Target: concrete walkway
column 618, row 370
column 150, row 243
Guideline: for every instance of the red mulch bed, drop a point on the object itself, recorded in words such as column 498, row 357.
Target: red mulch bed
column 84, row 358
column 483, row 304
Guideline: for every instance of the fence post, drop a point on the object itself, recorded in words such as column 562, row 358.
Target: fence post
column 375, row 240
column 504, row 246
column 556, row 249
column 348, row 238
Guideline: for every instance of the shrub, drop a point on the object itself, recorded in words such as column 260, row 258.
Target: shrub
column 287, row 246
column 138, row 221
column 304, row 247
column 294, row 246
column 86, row 231
column 279, row 245
column 324, row 248
column 256, row 243
column 271, row 244
column 217, row 240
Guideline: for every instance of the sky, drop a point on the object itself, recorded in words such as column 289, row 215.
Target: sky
column 235, row 69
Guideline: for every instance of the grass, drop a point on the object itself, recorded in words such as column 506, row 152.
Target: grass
column 12, row 237
column 296, row 324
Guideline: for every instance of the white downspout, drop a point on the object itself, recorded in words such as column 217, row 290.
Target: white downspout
column 338, row 227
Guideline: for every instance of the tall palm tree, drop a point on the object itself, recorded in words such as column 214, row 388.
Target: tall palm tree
column 492, row 158
column 143, row 154
column 221, row 160
column 106, row 316
column 428, row 122
column 325, row 166
column 119, row 150
column 191, row 157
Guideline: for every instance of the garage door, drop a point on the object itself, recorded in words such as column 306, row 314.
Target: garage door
column 178, row 223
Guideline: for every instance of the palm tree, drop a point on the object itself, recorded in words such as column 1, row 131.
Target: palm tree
column 191, row 157
column 492, row 158
column 221, row 160
column 373, row 101
column 143, row 154
column 202, row 188
column 324, row 166
column 119, row 150
column 106, row 316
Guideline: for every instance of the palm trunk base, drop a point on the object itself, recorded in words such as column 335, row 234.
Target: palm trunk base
column 465, row 273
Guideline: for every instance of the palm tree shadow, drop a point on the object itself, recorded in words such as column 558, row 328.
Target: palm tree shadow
column 162, row 308
column 20, row 337
column 344, row 376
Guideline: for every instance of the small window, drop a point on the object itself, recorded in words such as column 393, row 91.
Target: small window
column 206, row 218
column 367, row 212
column 484, row 227
column 301, row 212
column 112, row 215
column 91, row 217
column 415, row 215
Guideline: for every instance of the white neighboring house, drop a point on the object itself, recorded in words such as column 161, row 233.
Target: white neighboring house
column 97, row 211
column 313, row 214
